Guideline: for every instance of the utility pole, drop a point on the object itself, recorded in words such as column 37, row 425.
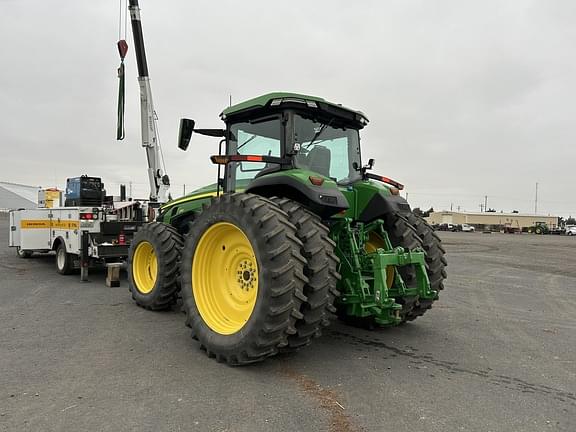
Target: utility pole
column 481, row 208
column 485, row 203
column 184, row 189
column 406, row 196
column 536, row 200
column 451, row 204
column 130, row 189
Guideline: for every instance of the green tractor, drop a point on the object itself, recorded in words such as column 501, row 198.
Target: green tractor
column 294, row 232
column 538, row 228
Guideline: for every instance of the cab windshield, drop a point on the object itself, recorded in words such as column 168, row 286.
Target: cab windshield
column 327, row 149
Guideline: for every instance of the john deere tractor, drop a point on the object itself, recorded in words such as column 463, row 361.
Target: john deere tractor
column 294, row 231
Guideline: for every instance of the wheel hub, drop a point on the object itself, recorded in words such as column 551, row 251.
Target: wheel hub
column 246, row 275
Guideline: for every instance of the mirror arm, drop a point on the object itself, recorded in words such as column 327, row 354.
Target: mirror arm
column 211, row 132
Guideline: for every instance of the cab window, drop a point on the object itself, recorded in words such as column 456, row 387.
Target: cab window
column 261, row 137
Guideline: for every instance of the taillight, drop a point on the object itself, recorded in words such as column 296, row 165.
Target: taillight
column 87, row 216
column 316, row 181
column 121, row 239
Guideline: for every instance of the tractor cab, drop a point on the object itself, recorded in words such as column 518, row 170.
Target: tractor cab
column 284, row 131
column 292, row 145
column 306, row 132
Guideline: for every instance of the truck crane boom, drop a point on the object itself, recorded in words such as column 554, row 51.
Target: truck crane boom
column 159, row 181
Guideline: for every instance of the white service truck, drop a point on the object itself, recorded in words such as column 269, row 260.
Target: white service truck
column 80, row 236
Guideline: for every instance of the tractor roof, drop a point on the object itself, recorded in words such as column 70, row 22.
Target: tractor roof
column 280, row 100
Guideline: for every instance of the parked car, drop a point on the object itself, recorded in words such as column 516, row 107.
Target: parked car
column 445, row 227
column 571, row 230
column 468, row 228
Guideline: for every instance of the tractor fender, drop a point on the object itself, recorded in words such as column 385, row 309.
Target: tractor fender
column 381, row 205
column 323, row 201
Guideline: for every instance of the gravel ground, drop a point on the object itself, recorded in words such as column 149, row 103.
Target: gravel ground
column 497, row 353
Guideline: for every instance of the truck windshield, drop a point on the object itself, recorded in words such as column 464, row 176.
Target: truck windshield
column 326, row 149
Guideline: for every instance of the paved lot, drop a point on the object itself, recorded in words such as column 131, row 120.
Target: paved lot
column 497, row 353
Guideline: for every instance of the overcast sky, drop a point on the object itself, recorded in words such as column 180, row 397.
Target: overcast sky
column 465, row 99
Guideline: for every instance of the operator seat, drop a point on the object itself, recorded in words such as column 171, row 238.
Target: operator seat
column 318, row 160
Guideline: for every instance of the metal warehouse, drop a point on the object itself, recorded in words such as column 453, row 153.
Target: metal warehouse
column 491, row 219
column 13, row 196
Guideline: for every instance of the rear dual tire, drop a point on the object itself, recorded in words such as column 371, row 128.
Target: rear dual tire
column 321, row 268
column 247, row 308
column 410, row 232
column 435, row 263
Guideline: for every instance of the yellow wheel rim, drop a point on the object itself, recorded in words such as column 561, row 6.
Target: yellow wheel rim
column 374, row 243
column 145, row 267
column 225, row 278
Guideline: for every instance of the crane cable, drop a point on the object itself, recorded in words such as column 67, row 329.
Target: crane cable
column 122, row 50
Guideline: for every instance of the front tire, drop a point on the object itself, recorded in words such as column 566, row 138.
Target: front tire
column 153, row 266
column 242, row 279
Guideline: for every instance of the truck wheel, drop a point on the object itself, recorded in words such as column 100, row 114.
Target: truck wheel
column 435, row 263
column 321, row 269
column 23, row 253
column 64, row 260
column 242, row 279
column 153, row 266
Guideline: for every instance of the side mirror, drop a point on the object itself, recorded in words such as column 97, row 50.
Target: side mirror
column 371, row 163
column 185, row 133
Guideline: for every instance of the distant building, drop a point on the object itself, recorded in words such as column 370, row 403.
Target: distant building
column 491, row 220
column 15, row 196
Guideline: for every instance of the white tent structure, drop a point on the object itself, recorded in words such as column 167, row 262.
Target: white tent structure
column 15, row 196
